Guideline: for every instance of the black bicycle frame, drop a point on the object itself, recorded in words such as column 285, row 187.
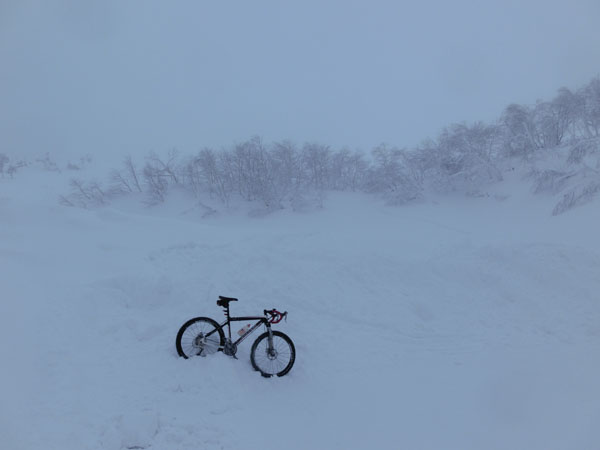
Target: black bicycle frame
column 260, row 320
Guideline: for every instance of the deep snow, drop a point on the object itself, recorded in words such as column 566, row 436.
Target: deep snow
column 467, row 323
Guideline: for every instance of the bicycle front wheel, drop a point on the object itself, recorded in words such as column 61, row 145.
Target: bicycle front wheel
column 277, row 359
column 200, row 336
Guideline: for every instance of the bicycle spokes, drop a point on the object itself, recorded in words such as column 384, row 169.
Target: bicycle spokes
column 275, row 357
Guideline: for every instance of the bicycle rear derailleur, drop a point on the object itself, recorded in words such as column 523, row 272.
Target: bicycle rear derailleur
column 230, row 349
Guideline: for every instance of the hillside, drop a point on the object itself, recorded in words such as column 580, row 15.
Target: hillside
column 462, row 324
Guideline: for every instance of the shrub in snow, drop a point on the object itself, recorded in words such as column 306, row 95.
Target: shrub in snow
column 553, row 120
column 126, row 179
column 391, row 176
column 84, row 195
column 156, row 184
column 316, row 159
column 347, row 170
column 84, row 161
column 550, row 181
column 589, row 108
column 288, row 176
column 463, row 159
column 518, row 130
column 544, row 126
column 577, row 195
column 204, row 173
column 9, row 168
column 250, row 170
column 581, row 149
column 14, row 167
column 466, row 173
column 48, row 164
column 158, row 174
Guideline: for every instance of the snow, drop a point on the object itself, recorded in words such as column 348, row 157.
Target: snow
column 461, row 323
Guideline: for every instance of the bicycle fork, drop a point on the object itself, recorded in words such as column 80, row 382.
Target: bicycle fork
column 271, row 352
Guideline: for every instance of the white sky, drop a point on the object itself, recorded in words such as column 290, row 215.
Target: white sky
column 126, row 76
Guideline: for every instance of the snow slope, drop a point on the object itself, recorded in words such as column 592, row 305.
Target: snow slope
column 461, row 324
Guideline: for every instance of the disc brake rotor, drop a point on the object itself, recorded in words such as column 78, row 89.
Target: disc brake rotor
column 272, row 354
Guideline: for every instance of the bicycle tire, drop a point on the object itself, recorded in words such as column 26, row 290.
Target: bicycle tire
column 190, row 341
column 269, row 365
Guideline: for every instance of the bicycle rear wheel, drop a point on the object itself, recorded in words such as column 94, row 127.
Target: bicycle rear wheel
column 277, row 360
column 200, row 336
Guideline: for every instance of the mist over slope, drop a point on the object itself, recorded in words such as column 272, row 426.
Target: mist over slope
column 450, row 323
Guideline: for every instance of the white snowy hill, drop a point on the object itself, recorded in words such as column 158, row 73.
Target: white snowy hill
column 466, row 323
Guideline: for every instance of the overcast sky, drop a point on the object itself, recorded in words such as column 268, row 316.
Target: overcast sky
column 129, row 76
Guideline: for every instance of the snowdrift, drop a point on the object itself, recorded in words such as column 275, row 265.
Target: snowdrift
column 468, row 324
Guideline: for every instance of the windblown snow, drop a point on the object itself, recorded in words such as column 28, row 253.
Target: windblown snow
column 468, row 323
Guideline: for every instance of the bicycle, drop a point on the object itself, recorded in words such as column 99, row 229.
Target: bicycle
column 273, row 352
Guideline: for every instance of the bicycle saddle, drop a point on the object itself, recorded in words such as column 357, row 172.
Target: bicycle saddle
column 224, row 301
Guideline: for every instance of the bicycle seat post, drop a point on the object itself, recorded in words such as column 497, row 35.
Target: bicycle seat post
column 228, row 321
column 224, row 302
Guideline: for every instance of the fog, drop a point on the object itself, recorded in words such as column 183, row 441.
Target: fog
column 115, row 77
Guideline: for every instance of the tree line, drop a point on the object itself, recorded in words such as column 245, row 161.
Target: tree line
column 463, row 158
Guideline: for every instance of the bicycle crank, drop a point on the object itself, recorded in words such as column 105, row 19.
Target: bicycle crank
column 230, row 349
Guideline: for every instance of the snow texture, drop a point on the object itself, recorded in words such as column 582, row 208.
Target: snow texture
column 471, row 323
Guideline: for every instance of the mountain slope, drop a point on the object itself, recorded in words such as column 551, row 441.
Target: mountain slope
column 467, row 324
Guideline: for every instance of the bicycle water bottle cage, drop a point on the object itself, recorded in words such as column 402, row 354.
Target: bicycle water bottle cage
column 224, row 301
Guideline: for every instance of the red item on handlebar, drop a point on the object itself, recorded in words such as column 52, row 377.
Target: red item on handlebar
column 276, row 316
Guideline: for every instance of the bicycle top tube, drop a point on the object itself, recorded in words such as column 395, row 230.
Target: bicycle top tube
column 237, row 319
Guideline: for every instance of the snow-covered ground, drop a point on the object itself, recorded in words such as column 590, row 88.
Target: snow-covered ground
column 468, row 323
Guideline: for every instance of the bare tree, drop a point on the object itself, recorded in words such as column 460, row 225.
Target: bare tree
column 550, row 123
column 581, row 149
column 545, row 126
column 462, row 159
column 347, row 170
column 204, row 175
column 316, row 159
column 156, row 183
column 580, row 194
column 48, row 164
column 125, row 180
column 589, row 103
column 250, row 169
column 390, row 176
column 566, row 111
column 159, row 173
column 14, row 167
column 478, row 139
column 168, row 167
column 85, row 194
column 132, row 173
column 286, row 169
column 519, row 139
